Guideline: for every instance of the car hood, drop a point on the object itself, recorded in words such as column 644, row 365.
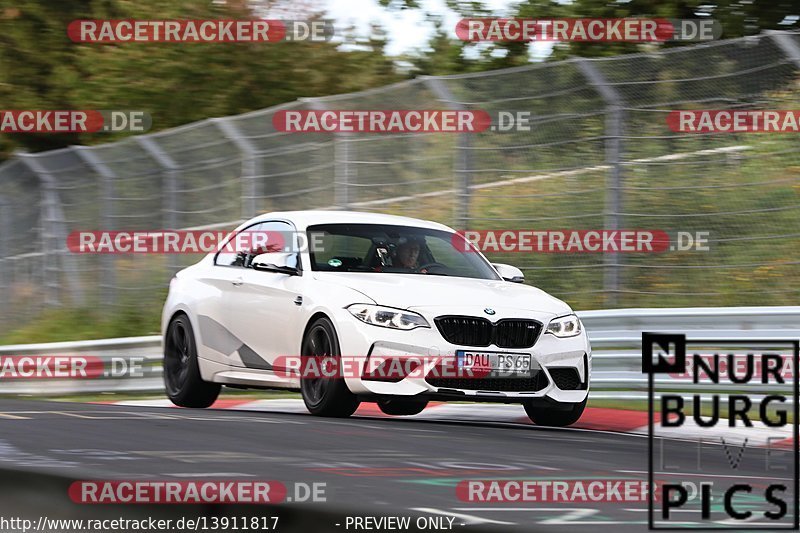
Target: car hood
column 407, row 291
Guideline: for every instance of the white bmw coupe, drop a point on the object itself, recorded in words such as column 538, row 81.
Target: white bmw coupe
column 395, row 310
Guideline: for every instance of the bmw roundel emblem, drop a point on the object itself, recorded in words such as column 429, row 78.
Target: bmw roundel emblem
column 489, row 311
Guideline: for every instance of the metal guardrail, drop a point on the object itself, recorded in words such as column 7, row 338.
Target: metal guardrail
column 145, row 349
column 615, row 336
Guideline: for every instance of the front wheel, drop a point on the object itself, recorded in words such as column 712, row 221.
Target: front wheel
column 185, row 387
column 399, row 407
column 555, row 416
column 325, row 396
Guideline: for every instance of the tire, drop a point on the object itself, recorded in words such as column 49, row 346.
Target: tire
column 184, row 386
column 401, row 407
column 543, row 415
column 325, row 396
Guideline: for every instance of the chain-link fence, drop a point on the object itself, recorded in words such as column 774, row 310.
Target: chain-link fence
column 599, row 155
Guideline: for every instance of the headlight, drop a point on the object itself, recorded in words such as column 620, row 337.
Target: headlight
column 387, row 317
column 565, row 326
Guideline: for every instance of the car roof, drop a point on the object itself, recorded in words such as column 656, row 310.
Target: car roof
column 303, row 219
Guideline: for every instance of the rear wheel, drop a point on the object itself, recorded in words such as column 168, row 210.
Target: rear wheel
column 401, row 407
column 325, row 396
column 182, row 380
column 554, row 416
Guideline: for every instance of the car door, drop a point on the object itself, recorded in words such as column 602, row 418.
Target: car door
column 263, row 309
column 216, row 338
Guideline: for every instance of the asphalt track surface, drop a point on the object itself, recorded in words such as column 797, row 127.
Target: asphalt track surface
column 371, row 466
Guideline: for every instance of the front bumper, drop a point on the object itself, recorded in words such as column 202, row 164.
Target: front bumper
column 363, row 341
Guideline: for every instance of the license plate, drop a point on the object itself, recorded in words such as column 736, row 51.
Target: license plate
column 497, row 364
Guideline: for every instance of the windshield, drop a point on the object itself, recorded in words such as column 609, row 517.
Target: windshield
column 393, row 249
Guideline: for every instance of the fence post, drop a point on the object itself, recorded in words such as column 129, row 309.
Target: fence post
column 615, row 125
column 108, row 296
column 170, row 203
column 341, row 156
column 54, row 239
column 5, row 227
column 463, row 160
column 342, row 176
column 251, row 165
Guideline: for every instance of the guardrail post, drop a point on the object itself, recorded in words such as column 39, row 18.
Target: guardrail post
column 251, row 165
column 615, row 124
column 108, row 262
column 170, row 202
column 463, row 160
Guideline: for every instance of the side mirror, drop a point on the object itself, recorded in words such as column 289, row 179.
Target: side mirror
column 509, row 273
column 280, row 262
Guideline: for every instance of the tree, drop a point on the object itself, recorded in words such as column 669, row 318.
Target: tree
column 442, row 54
column 40, row 68
column 737, row 17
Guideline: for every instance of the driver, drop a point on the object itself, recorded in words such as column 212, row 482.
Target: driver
column 407, row 254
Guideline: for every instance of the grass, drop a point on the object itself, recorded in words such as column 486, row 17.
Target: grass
column 55, row 325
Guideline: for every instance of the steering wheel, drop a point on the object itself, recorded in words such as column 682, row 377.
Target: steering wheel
column 421, row 268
